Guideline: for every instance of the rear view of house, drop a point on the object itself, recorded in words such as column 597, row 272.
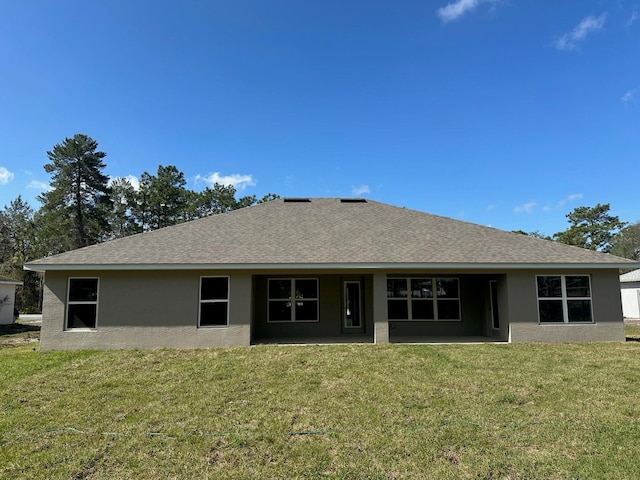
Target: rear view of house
column 327, row 270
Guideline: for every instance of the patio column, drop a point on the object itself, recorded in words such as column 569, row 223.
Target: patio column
column 380, row 315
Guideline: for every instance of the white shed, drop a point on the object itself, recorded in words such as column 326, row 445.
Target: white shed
column 7, row 299
column 630, row 293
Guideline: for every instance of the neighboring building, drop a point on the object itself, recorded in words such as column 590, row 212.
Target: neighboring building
column 327, row 270
column 630, row 293
column 7, row 300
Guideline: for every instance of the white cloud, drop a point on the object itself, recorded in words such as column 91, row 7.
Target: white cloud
column 133, row 180
column 569, row 41
column 634, row 17
column 491, row 207
column 454, row 10
column 629, row 96
column 5, row 176
column 525, row 208
column 361, row 190
column 38, row 185
column 240, row 182
column 569, row 198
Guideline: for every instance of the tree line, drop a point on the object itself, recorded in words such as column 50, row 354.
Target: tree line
column 594, row 228
column 84, row 206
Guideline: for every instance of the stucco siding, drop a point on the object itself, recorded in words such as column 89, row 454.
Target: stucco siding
column 146, row 310
column 523, row 310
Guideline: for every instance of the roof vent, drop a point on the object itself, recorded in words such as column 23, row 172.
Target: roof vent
column 353, row 200
column 297, row 200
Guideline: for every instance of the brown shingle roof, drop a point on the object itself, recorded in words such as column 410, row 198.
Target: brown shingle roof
column 326, row 231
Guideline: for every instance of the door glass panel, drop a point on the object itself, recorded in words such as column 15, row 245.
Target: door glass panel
column 352, row 304
column 495, row 316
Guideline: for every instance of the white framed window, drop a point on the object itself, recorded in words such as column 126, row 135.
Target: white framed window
column 564, row 299
column 423, row 298
column 82, row 304
column 214, row 302
column 292, row 300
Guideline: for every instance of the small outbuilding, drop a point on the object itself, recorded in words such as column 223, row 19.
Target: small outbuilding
column 8, row 300
column 630, row 293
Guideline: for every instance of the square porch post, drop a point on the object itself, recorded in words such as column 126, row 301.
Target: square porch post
column 380, row 314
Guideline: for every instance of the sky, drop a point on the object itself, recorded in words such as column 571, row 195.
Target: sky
column 507, row 113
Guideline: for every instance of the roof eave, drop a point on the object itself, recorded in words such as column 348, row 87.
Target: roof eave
column 42, row 267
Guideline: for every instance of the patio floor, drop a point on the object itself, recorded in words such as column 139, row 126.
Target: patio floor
column 368, row 339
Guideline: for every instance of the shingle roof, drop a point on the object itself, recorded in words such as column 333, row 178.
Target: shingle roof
column 633, row 276
column 9, row 281
column 323, row 232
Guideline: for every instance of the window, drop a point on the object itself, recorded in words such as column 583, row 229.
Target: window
column 292, row 300
column 82, row 303
column 423, row 299
column 214, row 302
column 564, row 299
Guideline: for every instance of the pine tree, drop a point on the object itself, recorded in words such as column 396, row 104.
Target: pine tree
column 78, row 201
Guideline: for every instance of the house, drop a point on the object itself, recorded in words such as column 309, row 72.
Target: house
column 316, row 270
column 7, row 299
column 630, row 293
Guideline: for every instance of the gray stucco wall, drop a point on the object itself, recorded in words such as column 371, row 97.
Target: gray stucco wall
column 146, row 310
column 522, row 310
column 154, row 309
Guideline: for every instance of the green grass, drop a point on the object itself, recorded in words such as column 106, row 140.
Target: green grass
column 347, row 411
column 632, row 331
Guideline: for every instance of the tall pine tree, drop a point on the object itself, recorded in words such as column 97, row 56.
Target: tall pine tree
column 78, row 202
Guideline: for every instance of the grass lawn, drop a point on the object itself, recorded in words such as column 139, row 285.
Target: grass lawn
column 344, row 411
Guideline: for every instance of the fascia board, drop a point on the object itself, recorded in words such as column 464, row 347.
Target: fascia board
column 42, row 267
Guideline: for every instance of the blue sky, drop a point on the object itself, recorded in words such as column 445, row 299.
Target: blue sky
column 507, row 113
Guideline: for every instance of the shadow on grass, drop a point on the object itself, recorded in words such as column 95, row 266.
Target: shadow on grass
column 633, row 339
column 18, row 334
column 18, row 328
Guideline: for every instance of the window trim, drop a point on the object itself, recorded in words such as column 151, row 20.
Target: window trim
column 564, row 299
column 434, row 299
column 215, row 300
column 95, row 302
column 293, row 310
